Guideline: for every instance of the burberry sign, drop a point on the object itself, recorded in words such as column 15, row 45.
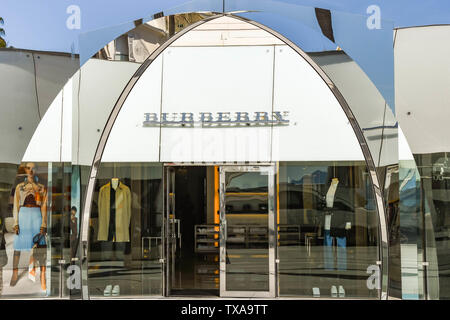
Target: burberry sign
column 218, row 119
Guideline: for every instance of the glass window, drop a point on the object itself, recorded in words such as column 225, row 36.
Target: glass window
column 35, row 224
column 429, row 203
column 327, row 230
column 125, row 231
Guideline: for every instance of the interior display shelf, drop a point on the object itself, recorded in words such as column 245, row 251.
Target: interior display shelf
column 289, row 234
column 247, row 193
column 206, row 238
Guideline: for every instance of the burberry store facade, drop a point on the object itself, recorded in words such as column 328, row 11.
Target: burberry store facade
column 223, row 162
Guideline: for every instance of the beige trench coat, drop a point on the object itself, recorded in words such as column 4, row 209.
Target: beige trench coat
column 123, row 212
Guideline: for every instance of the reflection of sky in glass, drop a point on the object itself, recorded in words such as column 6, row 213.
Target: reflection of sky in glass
column 297, row 174
column 75, row 191
column 247, row 180
column 409, row 179
column 48, row 32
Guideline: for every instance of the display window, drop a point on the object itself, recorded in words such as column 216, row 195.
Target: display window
column 328, row 230
column 126, row 231
column 38, row 231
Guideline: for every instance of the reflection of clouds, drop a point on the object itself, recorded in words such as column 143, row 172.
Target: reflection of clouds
column 75, row 193
column 296, row 174
column 246, row 180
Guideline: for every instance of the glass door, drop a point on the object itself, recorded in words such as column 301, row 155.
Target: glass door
column 247, row 231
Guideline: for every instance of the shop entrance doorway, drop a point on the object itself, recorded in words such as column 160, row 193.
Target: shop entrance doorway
column 220, row 231
column 247, row 231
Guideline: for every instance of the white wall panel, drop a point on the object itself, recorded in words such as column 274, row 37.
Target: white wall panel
column 422, row 82
column 101, row 84
column 217, row 79
column 254, row 37
column 239, row 79
column 200, row 79
column 52, row 140
column 75, row 136
column 27, row 84
column 319, row 130
column 129, row 140
column 52, row 72
column 66, row 120
column 18, row 107
column 45, row 145
column 365, row 101
column 404, row 151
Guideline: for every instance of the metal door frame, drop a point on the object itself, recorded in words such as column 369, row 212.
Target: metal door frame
column 270, row 170
column 168, row 227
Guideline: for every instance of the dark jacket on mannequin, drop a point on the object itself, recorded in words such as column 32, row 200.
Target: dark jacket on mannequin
column 341, row 212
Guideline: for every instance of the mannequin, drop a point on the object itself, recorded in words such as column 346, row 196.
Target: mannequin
column 336, row 226
column 114, row 217
column 30, row 219
column 115, row 183
column 73, row 231
column 331, row 192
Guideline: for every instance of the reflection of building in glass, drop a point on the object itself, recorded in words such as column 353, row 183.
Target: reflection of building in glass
column 140, row 42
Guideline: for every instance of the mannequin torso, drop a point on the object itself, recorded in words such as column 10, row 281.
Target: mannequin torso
column 331, row 192
column 114, row 183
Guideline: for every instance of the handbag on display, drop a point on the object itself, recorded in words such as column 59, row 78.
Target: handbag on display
column 39, row 249
column 9, row 224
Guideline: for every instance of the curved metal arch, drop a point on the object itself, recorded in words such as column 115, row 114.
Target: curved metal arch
column 346, row 108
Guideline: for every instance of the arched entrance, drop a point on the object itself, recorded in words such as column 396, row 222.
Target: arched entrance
column 297, row 132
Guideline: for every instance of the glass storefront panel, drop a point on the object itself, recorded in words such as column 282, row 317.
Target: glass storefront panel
column 327, row 230
column 380, row 129
column 36, row 225
column 433, row 202
column 390, row 176
column 34, row 80
column 126, row 231
column 411, row 230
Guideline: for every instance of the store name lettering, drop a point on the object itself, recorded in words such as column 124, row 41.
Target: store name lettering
column 218, row 119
